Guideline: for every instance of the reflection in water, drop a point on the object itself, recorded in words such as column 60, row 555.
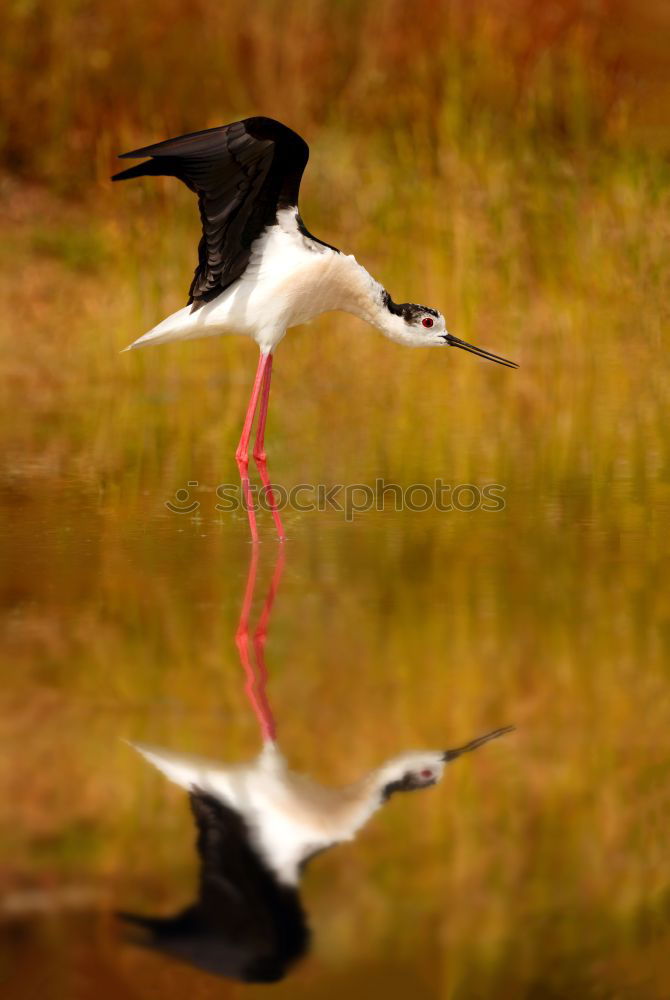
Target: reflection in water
column 246, row 922
column 258, row 826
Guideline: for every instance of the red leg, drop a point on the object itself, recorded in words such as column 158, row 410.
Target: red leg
column 260, row 456
column 255, row 679
column 242, row 453
column 260, row 637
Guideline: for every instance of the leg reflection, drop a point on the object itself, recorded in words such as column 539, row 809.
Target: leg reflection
column 259, row 824
column 256, row 674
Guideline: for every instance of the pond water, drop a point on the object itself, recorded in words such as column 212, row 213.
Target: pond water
column 537, row 867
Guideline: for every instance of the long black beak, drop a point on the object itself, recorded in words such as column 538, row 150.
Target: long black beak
column 479, row 351
column 453, row 754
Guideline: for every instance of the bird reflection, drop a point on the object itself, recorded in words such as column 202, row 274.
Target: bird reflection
column 259, row 824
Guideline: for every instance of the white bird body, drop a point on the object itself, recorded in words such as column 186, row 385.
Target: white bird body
column 290, row 816
column 258, row 825
column 290, row 280
column 260, row 272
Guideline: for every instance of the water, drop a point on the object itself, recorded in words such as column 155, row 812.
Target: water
column 520, row 875
column 538, row 867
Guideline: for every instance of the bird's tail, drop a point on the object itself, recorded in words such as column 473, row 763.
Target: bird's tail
column 181, row 325
column 183, row 769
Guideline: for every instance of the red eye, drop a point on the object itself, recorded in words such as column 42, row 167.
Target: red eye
column 426, row 773
column 427, row 321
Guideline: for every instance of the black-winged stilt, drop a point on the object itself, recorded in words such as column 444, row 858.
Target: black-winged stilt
column 259, row 269
column 259, row 823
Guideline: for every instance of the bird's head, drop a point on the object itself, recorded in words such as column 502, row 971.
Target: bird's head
column 411, row 771
column 420, row 769
column 420, row 326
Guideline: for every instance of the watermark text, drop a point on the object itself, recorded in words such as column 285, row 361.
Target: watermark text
column 350, row 499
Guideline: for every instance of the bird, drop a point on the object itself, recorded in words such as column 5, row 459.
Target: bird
column 259, row 825
column 260, row 271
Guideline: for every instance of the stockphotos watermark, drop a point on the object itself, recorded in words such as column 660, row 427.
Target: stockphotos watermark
column 349, row 499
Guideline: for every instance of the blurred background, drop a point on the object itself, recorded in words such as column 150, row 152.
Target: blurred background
column 507, row 163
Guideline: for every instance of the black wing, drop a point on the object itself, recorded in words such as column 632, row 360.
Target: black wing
column 245, row 924
column 242, row 173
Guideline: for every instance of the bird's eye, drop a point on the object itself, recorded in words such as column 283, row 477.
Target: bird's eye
column 427, row 321
column 426, row 773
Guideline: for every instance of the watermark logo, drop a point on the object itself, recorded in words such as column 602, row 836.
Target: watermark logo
column 182, row 503
column 349, row 499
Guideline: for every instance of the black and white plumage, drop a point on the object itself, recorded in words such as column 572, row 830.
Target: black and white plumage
column 243, row 174
column 259, row 270
column 245, row 924
column 259, row 824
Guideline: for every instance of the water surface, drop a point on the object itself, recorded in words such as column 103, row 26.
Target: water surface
column 536, row 868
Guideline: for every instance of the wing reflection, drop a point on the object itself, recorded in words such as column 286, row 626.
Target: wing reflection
column 259, row 824
column 245, row 923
